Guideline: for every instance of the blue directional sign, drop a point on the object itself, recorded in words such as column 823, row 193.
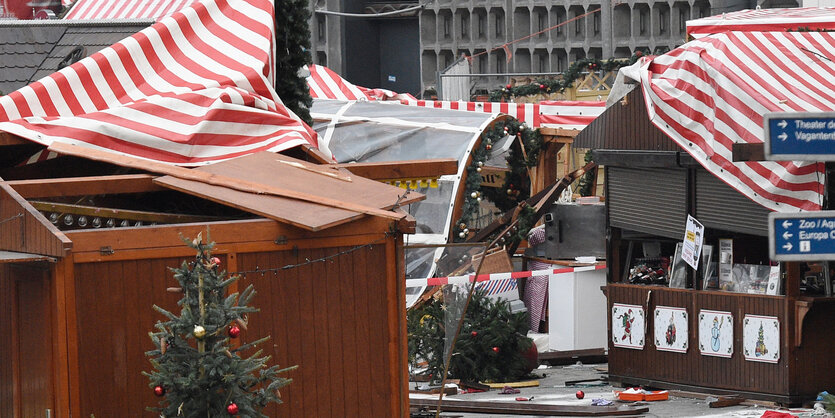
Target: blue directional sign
column 802, row 236
column 799, row 136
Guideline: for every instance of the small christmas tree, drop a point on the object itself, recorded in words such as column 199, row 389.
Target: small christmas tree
column 292, row 41
column 198, row 369
column 492, row 346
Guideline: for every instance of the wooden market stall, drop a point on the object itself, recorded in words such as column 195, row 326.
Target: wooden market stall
column 739, row 324
column 322, row 246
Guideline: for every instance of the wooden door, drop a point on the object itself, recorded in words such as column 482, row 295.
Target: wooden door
column 32, row 341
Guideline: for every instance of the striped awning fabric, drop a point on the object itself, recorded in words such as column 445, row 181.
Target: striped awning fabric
column 714, row 91
column 125, row 9
column 194, row 88
column 324, row 83
column 764, row 20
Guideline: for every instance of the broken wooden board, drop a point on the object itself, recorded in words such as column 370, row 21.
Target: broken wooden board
column 517, row 408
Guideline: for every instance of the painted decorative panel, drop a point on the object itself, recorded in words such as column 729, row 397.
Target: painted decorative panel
column 671, row 329
column 628, row 326
column 761, row 338
column 716, row 333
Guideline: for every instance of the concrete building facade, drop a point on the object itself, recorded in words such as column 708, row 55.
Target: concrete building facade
column 377, row 51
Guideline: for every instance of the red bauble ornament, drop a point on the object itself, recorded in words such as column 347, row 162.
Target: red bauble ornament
column 542, row 86
column 496, row 349
column 638, row 54
column 232, row 409
column 159, row 390
column 215, row 261
column 234, row 331
column 580, row 394
column 473, row 333
column 508, row 86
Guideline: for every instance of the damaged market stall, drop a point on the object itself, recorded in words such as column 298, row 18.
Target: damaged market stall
column 738, row 323
column 95, row 196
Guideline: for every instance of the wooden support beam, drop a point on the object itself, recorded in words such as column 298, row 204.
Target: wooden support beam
column 9, row 139
column 132, row 215
column 516, row 408
column 86, row 186
column 391, row 170
column 748, row 152
column 214, row 179
column 559, row 132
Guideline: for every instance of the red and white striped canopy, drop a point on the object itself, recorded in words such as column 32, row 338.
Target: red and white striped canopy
column 125, row 9
column 764, row 20
column 324, row 83
column 194, row 88
column 713, row 92
column 548, row 114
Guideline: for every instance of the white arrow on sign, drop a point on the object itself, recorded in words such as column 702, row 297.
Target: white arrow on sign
column 787, row 235
column 788, row 246
column 783, row 136
column 783, row 124
column 787, row 224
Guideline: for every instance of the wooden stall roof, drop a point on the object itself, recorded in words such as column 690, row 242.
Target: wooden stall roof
column 23, row 229
column 306, row 191
column 389, row 170
column 16, row 257
column 319, row 181
column 625, row 126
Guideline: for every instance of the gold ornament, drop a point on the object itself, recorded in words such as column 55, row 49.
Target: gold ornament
column 199, row 331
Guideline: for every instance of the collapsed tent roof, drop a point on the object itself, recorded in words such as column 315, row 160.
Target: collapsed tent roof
column 764, row 20
column 125, row 9
column 324, row 83
column 714, row 91
column 170, row 93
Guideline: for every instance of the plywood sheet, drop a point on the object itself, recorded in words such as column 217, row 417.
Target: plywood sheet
column 295, row 212
column 283, row 172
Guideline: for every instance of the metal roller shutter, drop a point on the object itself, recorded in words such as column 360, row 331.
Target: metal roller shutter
column 719, row 206
column 649, row 200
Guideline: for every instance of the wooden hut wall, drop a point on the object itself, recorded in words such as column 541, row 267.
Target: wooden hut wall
column 27, row 350
column 692, row 369
column 625, row 126
column 341, row 321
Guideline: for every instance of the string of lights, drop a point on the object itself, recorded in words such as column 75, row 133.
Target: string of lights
column 308, row 261
column 11, row 218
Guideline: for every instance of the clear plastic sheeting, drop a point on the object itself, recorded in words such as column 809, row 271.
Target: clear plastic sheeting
column 364, row 131
column 431, row 213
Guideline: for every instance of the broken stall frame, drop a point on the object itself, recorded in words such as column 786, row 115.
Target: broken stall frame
column 651, row 187
column 76, row 305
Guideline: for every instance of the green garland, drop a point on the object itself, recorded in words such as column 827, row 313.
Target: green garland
column 292, row 54
column 575, row 71
column 517, row 185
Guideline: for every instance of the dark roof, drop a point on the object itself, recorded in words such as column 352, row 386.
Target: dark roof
column 22, row 51
column 91, row 38
column 33, row 49
column 625, row 125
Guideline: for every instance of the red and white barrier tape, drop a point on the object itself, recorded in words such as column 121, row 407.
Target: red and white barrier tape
column 440, row 281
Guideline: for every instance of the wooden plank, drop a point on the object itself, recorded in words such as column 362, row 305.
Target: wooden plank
column 559, row 132
column 126, row 214
column 66, row 270
column 24, row 229
column 391, row 170
column 298, row 213
column 215, row 179
column 85, row 186
column 9, row 139
column 517, row 408
column 243, row 232
column 748, row 152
